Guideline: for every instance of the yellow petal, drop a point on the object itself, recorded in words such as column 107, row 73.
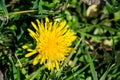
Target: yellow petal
column 57, row 66
column 61, row 26
column 30, row 54
column 46, row 19
column 36, row 60
column 63, row 23
column 42, row 28
column 34, row 25
column 30, row 50
column 32, row 34
column 55, row 25
column 24, row 46
column 50, row 26
column 42, row 60
column 51, row 66
column 38, row 23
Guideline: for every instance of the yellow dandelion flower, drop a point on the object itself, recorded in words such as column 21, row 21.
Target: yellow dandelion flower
column 53, row 41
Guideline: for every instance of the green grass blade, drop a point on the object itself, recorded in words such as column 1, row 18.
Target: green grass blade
column 78, row 72
column 35, row 74
column 106, row 72
column 92, row 68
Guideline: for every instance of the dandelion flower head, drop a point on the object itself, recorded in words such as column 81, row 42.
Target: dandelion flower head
column 53, row 43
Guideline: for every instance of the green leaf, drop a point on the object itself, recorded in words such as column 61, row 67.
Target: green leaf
column 117, row 15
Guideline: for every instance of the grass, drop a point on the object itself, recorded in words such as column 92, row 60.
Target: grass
column 97, row 51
